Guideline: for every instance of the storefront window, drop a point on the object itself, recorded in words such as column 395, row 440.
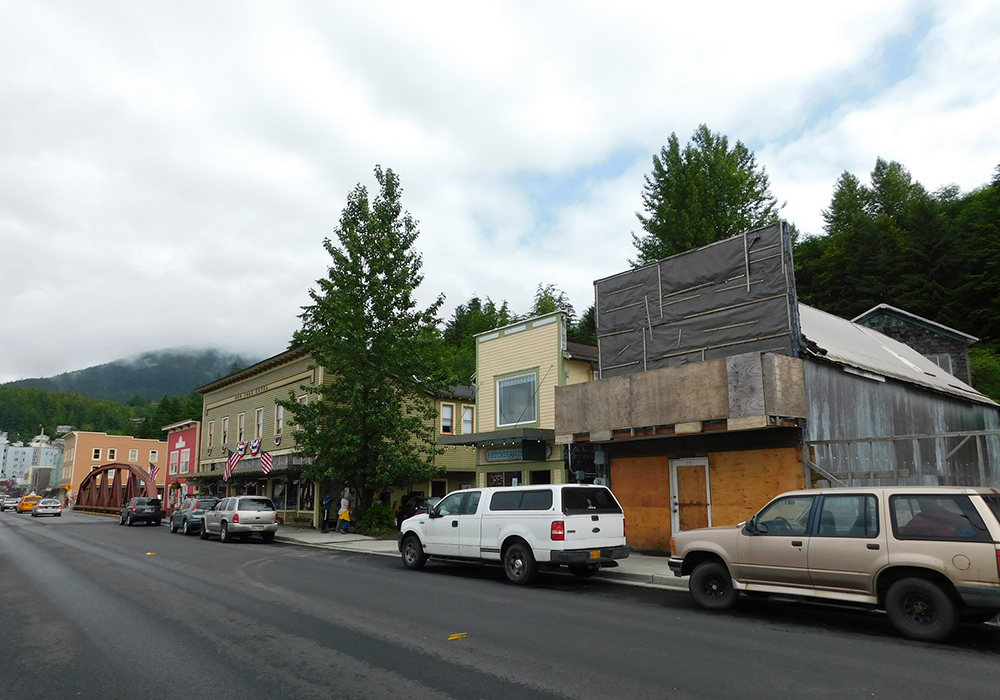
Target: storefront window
column 293, row 495
column 306, row 498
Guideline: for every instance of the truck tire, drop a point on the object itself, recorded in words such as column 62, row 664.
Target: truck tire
column 711, row 586
column 519, row 564
column 920, row 610
column 413, row 553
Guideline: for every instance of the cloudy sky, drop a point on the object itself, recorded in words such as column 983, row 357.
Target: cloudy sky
column 169, row 170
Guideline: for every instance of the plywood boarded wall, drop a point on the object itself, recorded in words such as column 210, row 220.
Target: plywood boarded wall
column 741, row 482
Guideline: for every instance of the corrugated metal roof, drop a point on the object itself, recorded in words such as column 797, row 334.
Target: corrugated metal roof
column 851, row 344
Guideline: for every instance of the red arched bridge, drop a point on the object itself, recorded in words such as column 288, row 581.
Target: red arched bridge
column 110, row 486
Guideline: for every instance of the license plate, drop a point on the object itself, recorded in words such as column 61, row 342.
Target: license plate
column 257, row 528
column 595, row 554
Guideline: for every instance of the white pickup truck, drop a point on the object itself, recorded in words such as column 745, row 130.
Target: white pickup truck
column 577, row 525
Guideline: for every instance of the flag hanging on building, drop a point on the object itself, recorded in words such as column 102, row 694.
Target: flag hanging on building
column 153, row 471
column 265, row 462
column 242, row 448
column 234, row 458
column 254, row 447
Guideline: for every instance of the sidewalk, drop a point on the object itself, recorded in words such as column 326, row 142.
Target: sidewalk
column 636, row 569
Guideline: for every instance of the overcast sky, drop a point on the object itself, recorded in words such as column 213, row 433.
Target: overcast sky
column 169, row 170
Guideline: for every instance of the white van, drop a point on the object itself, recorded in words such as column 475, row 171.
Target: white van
column 578, row 525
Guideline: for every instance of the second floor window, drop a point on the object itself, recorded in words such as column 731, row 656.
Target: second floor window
column 112, row 454
column 133, row 455
column 447, row 418
column 279, row 419
column 173, row 461
column 154, row 456
column 516, row 400
column 225, row 430
column 185, row 461
column 211, row 432
column 241, row 425
column 97, row 453
column 258, row 424
column 468, row 422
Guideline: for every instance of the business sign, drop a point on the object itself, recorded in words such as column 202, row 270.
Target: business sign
column 505, row 455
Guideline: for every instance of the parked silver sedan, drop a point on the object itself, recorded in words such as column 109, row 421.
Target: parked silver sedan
column 47, row 506
column 241, row 516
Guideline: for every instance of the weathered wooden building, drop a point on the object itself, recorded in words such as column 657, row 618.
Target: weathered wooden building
column 717, row 391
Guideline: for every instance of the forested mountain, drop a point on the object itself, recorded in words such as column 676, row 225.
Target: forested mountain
column 150, row 375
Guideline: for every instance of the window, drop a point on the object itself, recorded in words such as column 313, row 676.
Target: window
column 522, row 500
column 942, row 360
column 451, row 505
column 468, row 424
column 786, row 516
column 279, row 419
column 447, row 418
column 97, row 453
column 185, row 461
column 225, row 431
column 241, row 425
column 112, row 454
column 516, row 400
column 211, row 433
column 585, row 500
column 471, row 504
column 947, row 518
column 154, row 456
column 258, row 424
column 848, row 516
column 173, row 461
column 133, row 455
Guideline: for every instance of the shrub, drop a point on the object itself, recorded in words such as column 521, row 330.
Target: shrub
column 377, row 520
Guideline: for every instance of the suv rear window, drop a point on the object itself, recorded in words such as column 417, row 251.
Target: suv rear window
column 932, row 517
column 147, row 501
column 581, row 500
column 522, row 500
column 256, row 504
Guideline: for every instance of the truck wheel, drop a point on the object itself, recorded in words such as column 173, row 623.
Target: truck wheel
column 519, row 564
column 583, row 571
column 919, row 609
column 413, row 553
column 711, row 586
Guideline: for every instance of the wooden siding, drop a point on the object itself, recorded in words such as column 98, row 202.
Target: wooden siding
column 741, row 482
column 535, row 348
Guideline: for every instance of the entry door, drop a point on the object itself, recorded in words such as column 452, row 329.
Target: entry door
column 690, row 494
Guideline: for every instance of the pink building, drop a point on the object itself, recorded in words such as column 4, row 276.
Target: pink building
column 183, row 447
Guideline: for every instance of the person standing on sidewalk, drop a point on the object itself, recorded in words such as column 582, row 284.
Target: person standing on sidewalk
column 344, row 515
column 325, row 504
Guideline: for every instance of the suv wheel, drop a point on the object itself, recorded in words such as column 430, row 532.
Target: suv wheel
column 711, row 586
column 203, row 533
column 519, row 564
column 224, row 535
column 173, row 526
column 919, row 609
column 413, row 553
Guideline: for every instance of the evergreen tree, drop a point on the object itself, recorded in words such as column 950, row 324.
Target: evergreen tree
column 368, row 425
column 584, row 330
column 469, row 319
column 549, row 298
column 700, row 195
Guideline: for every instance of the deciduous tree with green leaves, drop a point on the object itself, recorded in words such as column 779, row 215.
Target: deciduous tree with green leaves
column 700, row 195
column 369, row 425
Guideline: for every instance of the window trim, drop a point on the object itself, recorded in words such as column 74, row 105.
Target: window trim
column 112, row 454
column 451, row 426
column 258, row 423
column 533, row 373
column 241, row 427
column 154, row 455
column 95, row 454
column 211, row 433
column 279, row 419
column 133, row 455
column 225, row 431
column 472, row 420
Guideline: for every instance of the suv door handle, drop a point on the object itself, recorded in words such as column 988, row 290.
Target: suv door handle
column 796, row 543
column 872, row 546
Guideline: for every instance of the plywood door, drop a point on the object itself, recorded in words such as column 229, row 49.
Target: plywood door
column 691, row 505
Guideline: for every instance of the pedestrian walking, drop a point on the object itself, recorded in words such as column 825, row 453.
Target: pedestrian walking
column 326, row 504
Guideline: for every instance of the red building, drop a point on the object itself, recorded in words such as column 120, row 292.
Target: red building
column 183, row 448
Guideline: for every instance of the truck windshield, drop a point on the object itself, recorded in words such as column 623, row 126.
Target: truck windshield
column 588, row 499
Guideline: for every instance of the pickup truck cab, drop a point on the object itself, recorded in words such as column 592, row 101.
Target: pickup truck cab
column 581, row 526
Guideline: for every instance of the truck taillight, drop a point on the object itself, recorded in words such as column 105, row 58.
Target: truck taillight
column 558, row 531
column 672, row 550
column 624, row 528
column 236, row 517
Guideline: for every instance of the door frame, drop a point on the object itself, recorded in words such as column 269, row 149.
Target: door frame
column 675, row 516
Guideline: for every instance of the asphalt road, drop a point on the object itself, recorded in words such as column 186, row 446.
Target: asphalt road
column 89, row 609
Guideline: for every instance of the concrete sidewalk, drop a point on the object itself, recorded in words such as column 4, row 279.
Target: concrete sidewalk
column 637, row 569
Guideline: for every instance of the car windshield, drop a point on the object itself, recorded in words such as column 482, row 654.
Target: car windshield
column 256, row 504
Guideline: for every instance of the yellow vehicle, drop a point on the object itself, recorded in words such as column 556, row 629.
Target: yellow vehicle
column 27, row 503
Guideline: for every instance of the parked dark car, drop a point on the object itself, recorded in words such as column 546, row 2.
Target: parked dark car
column 416, row 504
column 189, row 515
column 141, row 509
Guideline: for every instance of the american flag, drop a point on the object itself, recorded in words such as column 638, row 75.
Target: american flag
column 234, row 458
column 153, row 471
column 265, row 462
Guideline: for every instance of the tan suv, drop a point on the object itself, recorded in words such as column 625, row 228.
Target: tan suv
column 928, row 556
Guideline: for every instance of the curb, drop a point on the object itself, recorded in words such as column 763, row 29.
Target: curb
column 610, row 575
